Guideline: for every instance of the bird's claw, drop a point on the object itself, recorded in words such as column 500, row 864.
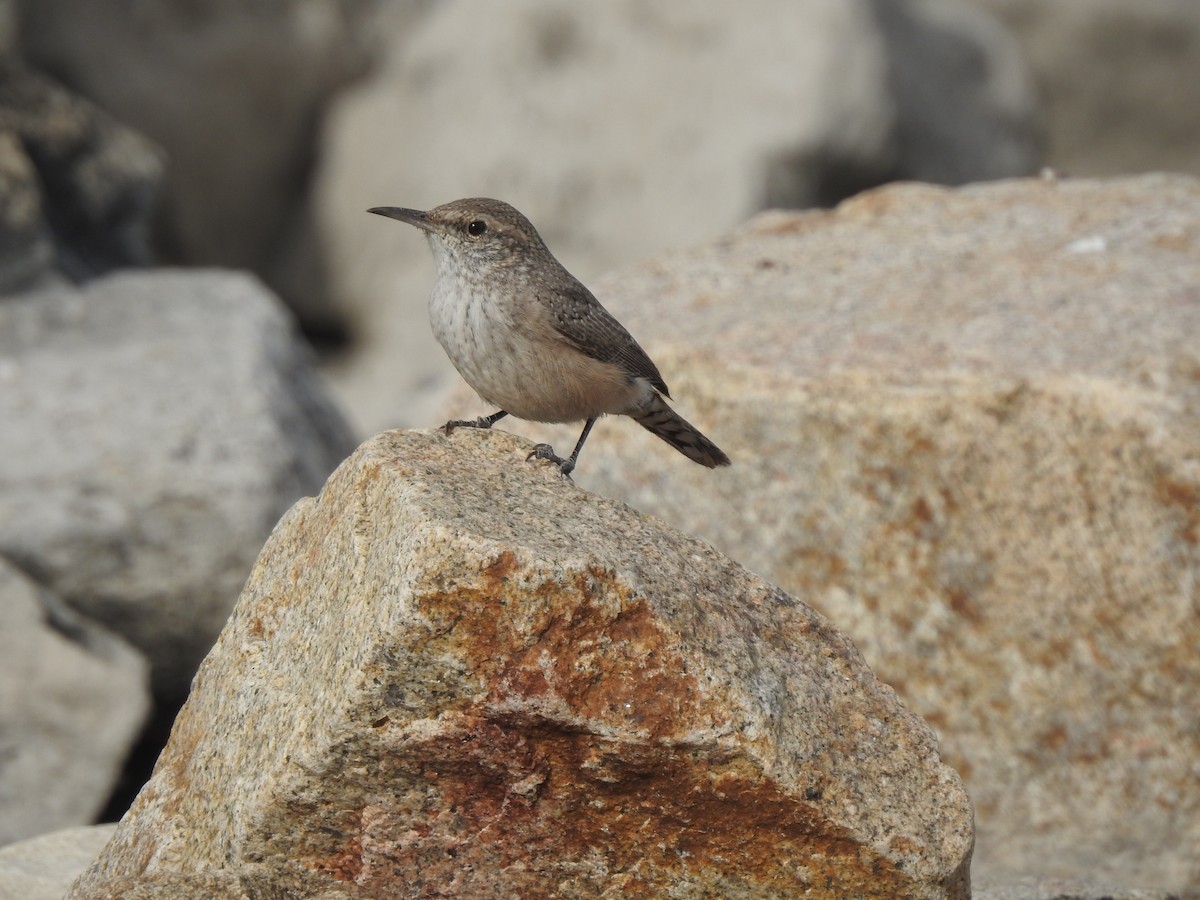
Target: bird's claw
column 545, row 451
column 481, row 422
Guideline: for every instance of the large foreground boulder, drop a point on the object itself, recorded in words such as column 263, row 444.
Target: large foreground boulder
column 454, row 673
column 964, row 423
column 156, row 425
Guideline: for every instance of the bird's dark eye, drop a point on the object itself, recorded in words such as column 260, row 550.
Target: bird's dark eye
column 476, row 228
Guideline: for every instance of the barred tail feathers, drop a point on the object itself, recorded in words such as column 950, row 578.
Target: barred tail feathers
column 659, row 419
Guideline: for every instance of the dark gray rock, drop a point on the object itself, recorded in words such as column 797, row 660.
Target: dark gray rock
column 26, row 249
column 234, row 92
column 76, row 180
column 8, row 27
column 963, row 94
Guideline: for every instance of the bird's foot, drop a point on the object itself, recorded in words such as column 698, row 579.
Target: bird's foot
column 545, row 451
column 481, row 422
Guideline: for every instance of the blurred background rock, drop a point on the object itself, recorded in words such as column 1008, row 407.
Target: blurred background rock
column 234, row 94
column 254, row 135
column 621, row 130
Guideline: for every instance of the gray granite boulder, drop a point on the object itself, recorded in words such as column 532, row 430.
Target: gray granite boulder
column 157, row 424
column 42, row 868
column 73, row 698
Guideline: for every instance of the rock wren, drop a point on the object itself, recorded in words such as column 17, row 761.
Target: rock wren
column 530, row 339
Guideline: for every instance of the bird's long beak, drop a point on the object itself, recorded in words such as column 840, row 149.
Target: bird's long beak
column 411, row 216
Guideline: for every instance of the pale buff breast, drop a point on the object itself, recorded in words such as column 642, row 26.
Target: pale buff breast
column 506, row 350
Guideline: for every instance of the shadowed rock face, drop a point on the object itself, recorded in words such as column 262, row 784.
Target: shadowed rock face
column 77, row 188
column 454, row 671
column 233, row 93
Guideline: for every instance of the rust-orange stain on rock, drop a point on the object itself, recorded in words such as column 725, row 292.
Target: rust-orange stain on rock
column 619, row 668
column 586, row 642
column 347, row 863
column 504, row 809
column 607, row 787
column 1186, row 496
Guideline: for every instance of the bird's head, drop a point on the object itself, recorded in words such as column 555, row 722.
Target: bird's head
column 476, row 232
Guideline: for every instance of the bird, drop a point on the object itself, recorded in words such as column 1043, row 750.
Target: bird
column 530, row 339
